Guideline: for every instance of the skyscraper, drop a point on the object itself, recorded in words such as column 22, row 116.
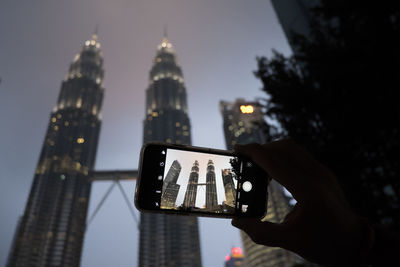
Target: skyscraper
column 191, row 191
column 211, row 187
column 167, row 240
column 244, row 123
column 51, row 231
column 170, row 188
column 229, row 187
column 295, row 17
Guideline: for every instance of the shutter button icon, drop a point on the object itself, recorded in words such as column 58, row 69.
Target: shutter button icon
column 247, row 186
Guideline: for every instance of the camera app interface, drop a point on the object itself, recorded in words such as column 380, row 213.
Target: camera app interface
column 195, row 181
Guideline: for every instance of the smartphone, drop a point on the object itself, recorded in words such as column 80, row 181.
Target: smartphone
column 189, row 180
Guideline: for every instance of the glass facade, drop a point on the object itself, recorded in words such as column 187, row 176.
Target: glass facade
column 51, row 231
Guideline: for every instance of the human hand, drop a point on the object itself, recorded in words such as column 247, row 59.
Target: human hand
column 321, row 228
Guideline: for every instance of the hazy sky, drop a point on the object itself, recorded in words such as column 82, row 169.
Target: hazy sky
column 216, row 42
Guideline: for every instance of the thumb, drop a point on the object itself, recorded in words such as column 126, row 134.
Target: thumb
column 262, row 233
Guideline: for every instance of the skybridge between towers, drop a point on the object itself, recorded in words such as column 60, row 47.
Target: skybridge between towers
column 115, row 176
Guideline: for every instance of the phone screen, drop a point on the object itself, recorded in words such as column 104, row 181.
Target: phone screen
column 191, row 180
column 195, row 181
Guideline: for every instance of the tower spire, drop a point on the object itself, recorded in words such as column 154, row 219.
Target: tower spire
column 165, row 37
column 96, row 31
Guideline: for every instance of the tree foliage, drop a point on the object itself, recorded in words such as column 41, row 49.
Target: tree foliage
column 338, row 97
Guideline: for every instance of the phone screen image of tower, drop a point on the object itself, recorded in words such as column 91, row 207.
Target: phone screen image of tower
column 195, row 181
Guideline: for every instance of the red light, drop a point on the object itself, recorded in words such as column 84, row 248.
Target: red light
column 227, row 258
column 236, row 251
column 246, row 109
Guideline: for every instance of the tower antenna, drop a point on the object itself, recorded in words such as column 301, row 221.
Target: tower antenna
column 96, row 31
column 165, row 31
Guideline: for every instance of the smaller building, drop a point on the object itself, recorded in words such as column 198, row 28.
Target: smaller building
column 243, row 122
column 170, row 188
column 235, row 259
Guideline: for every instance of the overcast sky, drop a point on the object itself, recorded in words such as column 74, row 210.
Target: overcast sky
column 216, row 42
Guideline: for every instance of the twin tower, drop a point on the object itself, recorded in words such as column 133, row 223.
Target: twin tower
column 51, row 230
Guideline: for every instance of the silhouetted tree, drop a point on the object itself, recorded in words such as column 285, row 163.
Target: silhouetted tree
column 337, row 97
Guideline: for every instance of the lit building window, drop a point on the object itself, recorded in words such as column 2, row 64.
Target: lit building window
column 168, row 140
column 155, row 114
column 80, row 140
column 77, row 166
column 56, row 128
column 59, row 116
column 66, row 123
column 184, row 127
column 246, row 109
column 177, row 124
column 79, row 103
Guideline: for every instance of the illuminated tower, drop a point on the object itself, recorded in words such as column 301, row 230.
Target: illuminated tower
column 191, row 191
column 170, row 188
column 211, row 187
column 244, row 123
column 52, row 228
column 167, row 240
